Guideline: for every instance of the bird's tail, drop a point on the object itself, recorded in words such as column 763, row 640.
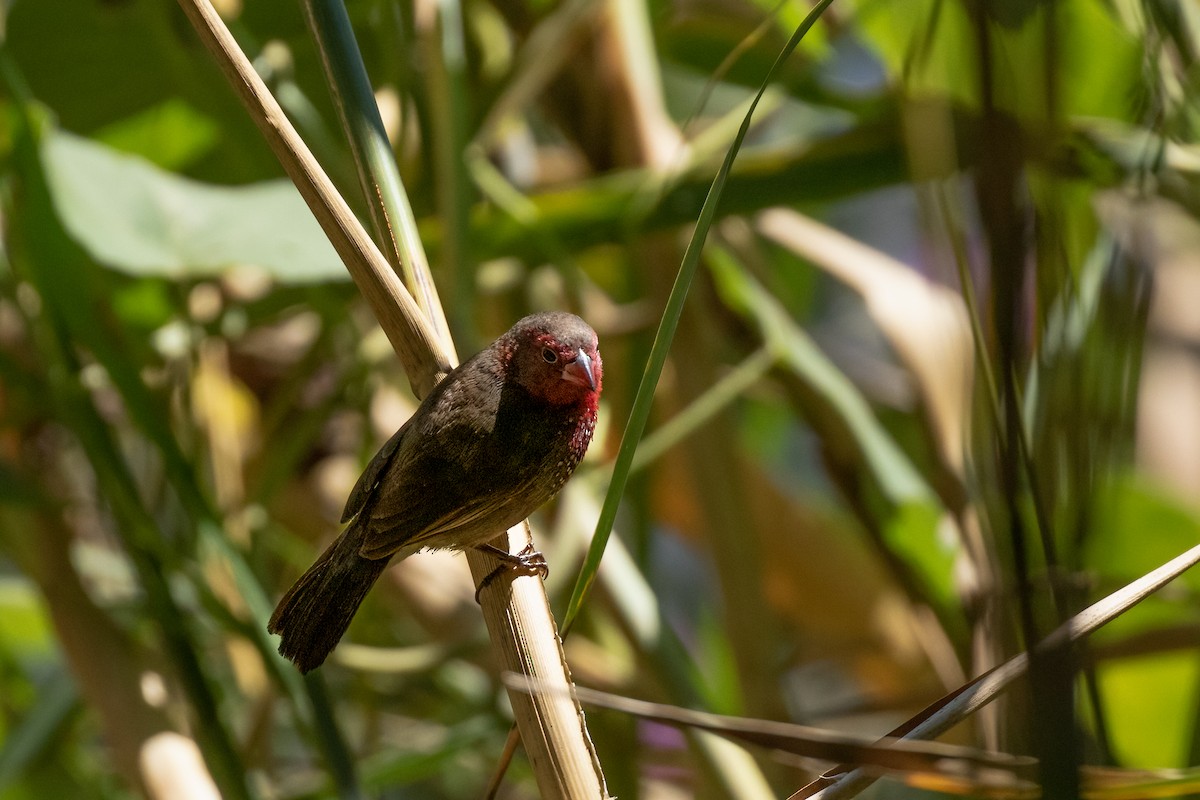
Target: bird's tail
column 316, row 611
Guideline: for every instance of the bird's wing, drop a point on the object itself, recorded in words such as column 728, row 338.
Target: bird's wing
column 371, row 475
column 380, row 467
column 441, row 477
column 389, row 535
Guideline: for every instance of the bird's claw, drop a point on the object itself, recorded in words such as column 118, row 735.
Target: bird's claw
column 529, row 561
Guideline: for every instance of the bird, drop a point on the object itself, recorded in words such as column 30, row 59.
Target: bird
column 493, row 441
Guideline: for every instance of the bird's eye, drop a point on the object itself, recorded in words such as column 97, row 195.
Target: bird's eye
column 549, row 356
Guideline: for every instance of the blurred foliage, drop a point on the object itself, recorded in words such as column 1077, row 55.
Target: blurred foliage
column 869, row 473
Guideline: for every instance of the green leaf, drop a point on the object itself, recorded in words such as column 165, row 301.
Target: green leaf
column 640, row 413
column 928, row 42
column 1148, row 724
column 171, row 134
column 1119, row 546
column 1137, row 528
column 134, row 217
column 915, row 535
column 37, row 731
column 24, row 626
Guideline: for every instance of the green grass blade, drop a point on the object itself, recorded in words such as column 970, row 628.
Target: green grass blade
column 23, row 745
column 392, row 214
column 907, row 512
column 642, row 403
column 449, row 118
column 342, row 766
column 720, row 395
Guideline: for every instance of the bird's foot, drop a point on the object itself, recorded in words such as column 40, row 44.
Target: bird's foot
column 529, row 561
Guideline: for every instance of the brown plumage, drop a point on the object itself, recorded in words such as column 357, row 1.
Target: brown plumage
column 498, row 437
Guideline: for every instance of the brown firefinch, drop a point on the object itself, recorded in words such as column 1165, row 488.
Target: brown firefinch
column 498, row 437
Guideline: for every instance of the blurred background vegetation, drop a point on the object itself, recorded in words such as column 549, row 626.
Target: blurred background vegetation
column 935, row 389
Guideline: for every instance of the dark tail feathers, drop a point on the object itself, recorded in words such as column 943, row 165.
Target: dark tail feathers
column 316, row 611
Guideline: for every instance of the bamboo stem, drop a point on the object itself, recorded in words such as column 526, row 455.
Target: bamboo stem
column 516, row 609
column 411, row 335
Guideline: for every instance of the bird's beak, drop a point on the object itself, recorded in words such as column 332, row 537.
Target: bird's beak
column 580, row 371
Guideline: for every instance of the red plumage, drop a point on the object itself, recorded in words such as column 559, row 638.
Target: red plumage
column 497, row 438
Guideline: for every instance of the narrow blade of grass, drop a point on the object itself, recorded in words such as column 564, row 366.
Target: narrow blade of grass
column 392, row 214
column 644, row 399
column 26, row 741
column 906, row 518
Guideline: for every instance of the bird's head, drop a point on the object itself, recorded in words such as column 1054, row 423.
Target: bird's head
column 556, row 358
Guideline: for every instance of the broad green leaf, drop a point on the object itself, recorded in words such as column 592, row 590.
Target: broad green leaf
column 134, row 217
column 24, row 627
column 1148, row 724
column 925, row 41
column 933, row 44
column 171, row 134
column 1137, row 528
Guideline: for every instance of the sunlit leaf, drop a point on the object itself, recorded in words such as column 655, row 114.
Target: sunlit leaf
column 136, row 218
column 1118, row 545
column 1148, row 725
column 171, row 134
column 24, row 626
column 929, row 42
